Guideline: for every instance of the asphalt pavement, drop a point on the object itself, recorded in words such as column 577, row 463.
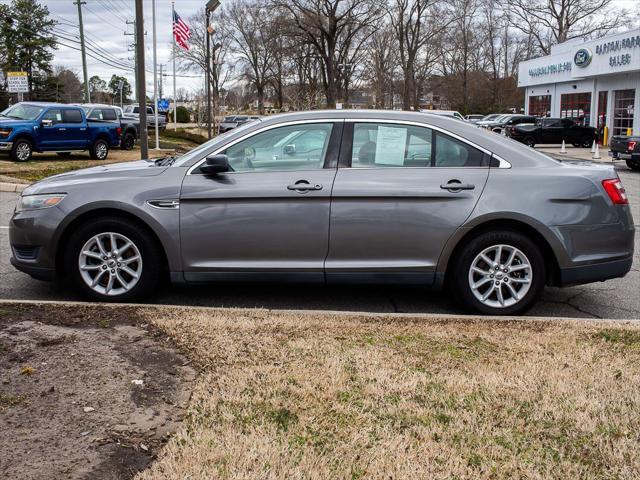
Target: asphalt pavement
column 618, row 298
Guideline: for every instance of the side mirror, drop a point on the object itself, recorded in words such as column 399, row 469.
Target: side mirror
column 289, row 149
column 47, row 123
column 216, row 164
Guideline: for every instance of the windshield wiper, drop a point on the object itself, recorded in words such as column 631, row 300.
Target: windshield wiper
column 165, row 161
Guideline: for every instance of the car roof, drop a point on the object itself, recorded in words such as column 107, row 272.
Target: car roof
column 49, row 104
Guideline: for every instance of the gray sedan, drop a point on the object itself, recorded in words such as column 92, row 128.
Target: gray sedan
column 333, row 197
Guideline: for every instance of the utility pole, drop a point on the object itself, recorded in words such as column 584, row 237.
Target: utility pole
column 160, row 79
column 140, row 80
column 155, row 74
column 87, row 98
column 132, row 47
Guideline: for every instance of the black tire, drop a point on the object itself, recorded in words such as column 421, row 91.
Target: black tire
column 458, row 276
column 586, row 142
column 633, row 164
column 64, row 154
column 529, row 142
column 22, row 150
column 99, row 150
column 150, row 252
column 128, row 141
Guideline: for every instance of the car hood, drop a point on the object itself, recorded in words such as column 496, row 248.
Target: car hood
column 9, row 122
column 98, row 174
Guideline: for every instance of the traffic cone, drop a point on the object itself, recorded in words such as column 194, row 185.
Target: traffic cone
column 596, row 154
column 593, row 147
column 564, row 148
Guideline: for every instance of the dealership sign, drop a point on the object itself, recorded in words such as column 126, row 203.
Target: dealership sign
column 583, row 57
column 550, row 69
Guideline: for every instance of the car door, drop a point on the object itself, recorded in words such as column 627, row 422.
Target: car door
column 269, row 217
column 401, row 191
column 50, row 137
column 73, row 129
column 552, row 131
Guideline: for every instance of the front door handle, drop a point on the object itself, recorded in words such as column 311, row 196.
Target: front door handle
column 456, row 186
column 62, row 129
column 303, row 186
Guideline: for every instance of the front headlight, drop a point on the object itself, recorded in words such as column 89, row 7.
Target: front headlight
column 38, row 202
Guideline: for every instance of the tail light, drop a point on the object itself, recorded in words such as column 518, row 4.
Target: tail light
column 631, row 145
column 119, row 131
column 615, row 190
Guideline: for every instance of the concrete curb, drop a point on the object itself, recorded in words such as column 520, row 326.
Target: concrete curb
column 345, row 313
column 12, row 187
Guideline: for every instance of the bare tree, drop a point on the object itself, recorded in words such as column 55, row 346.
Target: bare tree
column 254, row 42
column 335, row 30
column 381, row 62
column 555, row 21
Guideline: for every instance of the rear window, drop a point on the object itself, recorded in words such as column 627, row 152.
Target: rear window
column 109, row 114
column 71, row 116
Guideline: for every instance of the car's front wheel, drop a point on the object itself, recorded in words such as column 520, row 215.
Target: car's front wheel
column 21, row 150
column 498, row 273
column 113, row 260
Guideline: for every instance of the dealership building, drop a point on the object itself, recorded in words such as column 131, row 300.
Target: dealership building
column 595, row 82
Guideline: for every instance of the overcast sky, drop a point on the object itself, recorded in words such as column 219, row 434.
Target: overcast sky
column 105, row 24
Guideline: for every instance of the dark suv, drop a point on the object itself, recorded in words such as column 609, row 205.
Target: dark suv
column 554, row 130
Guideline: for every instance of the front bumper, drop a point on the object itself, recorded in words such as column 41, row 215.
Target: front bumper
column 6, row 146
column 597, row 272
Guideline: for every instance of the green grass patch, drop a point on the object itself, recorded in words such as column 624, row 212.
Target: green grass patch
column 628, row 338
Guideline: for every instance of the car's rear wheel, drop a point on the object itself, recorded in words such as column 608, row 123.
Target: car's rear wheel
column 633, row 164
column 128, row 141
column 499, row 273
column 21, row 150
column 529, row 142
column 99, row 150
column 113, row 260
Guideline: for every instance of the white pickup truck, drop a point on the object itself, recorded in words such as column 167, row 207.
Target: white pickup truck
column 134, row 111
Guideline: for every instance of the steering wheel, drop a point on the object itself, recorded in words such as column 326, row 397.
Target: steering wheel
column 244, row 162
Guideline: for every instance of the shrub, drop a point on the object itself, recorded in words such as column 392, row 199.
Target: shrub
column 183, row 115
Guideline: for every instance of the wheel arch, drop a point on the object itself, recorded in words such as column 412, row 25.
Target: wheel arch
column 66, row 231
column 548, row 243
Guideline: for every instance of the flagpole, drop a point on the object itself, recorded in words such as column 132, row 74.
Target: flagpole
column 155, row 73
column 175, row 98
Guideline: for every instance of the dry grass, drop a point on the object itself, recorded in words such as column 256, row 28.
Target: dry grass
column 317, row 397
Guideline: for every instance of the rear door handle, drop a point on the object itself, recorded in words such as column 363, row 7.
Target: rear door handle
column 457, row 185
column 303, row 186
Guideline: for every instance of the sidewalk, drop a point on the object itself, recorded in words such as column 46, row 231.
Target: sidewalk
column 576, row 153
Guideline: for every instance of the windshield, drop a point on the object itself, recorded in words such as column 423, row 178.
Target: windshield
column 23, row 111
column 211, row 144
column 228, row 119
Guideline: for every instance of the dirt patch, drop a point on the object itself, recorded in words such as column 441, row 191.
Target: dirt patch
column 86, row 392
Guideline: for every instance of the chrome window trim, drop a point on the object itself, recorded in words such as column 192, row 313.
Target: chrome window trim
column 260, row 130
column 423, row 125
column 502, row 163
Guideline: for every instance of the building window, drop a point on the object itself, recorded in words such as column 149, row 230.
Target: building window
column 623, row 111
column 576, row 106
column 601, row 121
column 540, row 105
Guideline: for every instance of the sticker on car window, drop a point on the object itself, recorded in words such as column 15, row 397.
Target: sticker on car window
column 390, row 145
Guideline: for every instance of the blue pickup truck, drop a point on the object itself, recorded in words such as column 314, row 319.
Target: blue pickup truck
column 29, row 127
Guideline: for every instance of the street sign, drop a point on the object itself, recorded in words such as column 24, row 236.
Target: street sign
column 120, row 84
column 17, row 82
column 163, row 105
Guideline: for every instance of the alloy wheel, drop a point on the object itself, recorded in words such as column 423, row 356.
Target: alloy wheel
column 500, row 276
column 101, row 150
column 110, row 263
column 23, row 151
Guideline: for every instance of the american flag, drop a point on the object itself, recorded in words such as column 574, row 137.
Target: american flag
column 181, row 31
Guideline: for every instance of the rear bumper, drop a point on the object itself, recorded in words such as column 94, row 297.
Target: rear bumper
column 625, row 156
column 597, row 272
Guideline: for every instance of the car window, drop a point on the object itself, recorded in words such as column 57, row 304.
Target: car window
column 451, row 152
column 390, row 145
column 54, row 114
column 96, row 114
column 552, row 122
column 229, row 119
column 567, row 122
column 71, row 116
column 109, row 114
column 304, row 149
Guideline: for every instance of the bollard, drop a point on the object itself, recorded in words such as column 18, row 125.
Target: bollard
column 564, row 148
column 596, row 154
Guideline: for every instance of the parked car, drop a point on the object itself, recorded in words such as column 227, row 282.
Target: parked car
column 445, row 113
column 233, row 121
column 626, row 148
column 554, row 130
column 489, row 118
column 504, row 123
column 474, row 117
column 129, row 125
column 331, row 197
column 134, row 111
column 29, row 127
